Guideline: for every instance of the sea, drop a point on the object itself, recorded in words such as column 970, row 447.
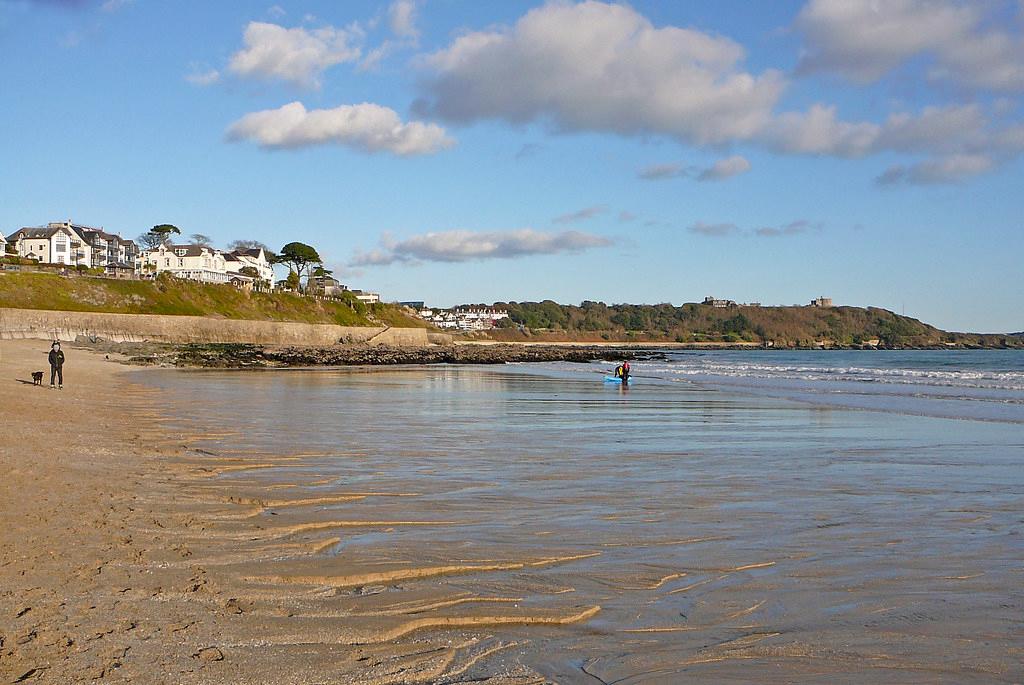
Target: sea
column 729, row 516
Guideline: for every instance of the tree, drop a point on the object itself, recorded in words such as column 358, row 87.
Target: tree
column 245, row 244
column 165, row 230
column 292, row 282
column 150, row 240
column 200, row 239
column 157, row 236
column 299, row 258
column 258, row 284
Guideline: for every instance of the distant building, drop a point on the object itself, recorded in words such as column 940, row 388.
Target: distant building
column 241, row 281
column 718, row 304
column 823, row 302
column 107, row 248
column 465, row 318
column 55, row 243
column 414, row 304
column 3, row 245
column 191, row 262
column 254, row 258
column 325, row 285
column 119, row 270
column 366, row 297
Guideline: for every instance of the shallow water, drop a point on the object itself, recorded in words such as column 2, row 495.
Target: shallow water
column 726, row 531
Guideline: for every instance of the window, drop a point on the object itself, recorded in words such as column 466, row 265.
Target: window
column 180, row 252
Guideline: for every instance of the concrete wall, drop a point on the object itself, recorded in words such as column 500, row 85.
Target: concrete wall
column 55, row 325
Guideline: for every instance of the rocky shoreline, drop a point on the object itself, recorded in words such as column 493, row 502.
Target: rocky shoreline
column 238, row 356
column 248, row 356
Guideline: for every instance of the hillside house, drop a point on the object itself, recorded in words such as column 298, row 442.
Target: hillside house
column 325, row 285
column 822, row 302
column 191, row 262
column 719, row 304
column 3, row 245
column 55, row 243
column 255, row 258
column 366, row 297
column 108, row 248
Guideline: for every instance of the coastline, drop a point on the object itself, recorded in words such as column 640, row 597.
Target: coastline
column 254, row 356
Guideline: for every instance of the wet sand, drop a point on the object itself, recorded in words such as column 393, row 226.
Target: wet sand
column 263, row 528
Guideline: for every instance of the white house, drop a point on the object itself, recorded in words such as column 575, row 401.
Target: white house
column 366, row 297
column 3, row 245
column 55, row 243
column 192, row 262
column 108, row 249
column 254, row 257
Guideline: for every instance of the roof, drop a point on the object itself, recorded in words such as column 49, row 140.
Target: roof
column 86, row 233
column 190, row 250
column 39, row 232
column 249, row 252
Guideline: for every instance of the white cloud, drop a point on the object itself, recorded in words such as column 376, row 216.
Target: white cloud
column 616, row 72
column 203, row 77
column 367, row 127
column 792, row 228
column 298, row 56
column 402, row 19
column 725, row 168
column 865, row 39
column 276, row 11
column 612, row 71
column 950, row 169
column 720, row 170
column 714, row 230
column 464, row 246
column 580, row 215
column 818, row 131
column 626, row 216
column 659, row 172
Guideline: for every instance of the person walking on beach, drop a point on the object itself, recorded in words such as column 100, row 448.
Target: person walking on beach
column 56, row 358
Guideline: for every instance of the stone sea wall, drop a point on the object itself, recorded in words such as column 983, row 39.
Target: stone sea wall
column 68, row 326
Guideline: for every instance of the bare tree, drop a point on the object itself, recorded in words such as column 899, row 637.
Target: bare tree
column 150, row 240
column 200, row 239
column 247, row 245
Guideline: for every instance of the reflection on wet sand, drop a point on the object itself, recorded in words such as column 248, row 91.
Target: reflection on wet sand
column 509, row 527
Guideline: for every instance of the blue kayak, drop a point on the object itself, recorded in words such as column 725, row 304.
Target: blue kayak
column 614, row 379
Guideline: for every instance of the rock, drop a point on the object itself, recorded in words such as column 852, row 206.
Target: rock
column 209, row 654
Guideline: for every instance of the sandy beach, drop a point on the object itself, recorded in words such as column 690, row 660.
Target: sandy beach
column 434, row 525
column 115, row 550
column 93, row 584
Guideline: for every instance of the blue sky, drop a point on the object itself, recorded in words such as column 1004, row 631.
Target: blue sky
column 459, row 151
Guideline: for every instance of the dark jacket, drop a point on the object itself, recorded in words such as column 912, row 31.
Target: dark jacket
column 56, row 357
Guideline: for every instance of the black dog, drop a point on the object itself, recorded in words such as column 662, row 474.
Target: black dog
column 37, row 378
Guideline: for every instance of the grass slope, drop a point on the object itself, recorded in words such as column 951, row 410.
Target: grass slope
column 171, row 296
